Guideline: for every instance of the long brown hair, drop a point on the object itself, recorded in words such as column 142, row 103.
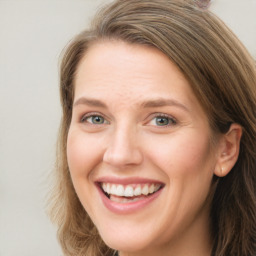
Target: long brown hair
column 222, row 75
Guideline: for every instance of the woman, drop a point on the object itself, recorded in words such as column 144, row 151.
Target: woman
column 156, row 152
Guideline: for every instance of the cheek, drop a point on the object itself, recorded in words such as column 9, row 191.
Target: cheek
column 75, row 151
column 82, row 154
column 186, row 153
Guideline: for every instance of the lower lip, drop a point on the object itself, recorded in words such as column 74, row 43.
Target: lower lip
column 129, row 207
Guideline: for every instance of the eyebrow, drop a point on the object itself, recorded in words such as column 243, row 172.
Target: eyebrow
column 160, row 102
column 90, row 102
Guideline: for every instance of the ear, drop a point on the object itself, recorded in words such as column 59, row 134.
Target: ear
column 228, row 151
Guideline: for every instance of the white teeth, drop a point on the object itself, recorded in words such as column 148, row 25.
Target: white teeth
column 120, row 190
column 157, row 186
column 151, row 189
column 137, row 191
column 113, row 190
column 108, row 188
column 145, row 190
column 129, row 190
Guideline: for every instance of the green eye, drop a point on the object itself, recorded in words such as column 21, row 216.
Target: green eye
column 94, row 119
column 97, row 120
column 162, row 121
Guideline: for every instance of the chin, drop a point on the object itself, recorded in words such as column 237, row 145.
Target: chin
column 129, row 243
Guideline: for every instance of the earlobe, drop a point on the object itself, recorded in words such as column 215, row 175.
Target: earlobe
column 221, row 171
column 228, row 152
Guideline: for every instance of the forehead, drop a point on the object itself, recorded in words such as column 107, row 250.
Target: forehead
column 125, row 68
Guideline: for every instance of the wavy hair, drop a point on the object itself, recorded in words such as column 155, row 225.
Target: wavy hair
column 222, row 75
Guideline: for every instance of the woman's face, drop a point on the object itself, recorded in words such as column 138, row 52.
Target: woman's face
column 139, row 151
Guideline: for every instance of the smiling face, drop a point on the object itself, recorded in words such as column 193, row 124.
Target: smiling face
column 139, row 152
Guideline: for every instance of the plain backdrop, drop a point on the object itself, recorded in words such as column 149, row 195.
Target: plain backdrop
column 32, row 35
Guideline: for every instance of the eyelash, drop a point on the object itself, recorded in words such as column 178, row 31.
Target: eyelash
column 85, row 118
column 171, row 120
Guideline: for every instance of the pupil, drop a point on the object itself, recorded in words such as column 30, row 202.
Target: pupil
column 97, row 119
column 162, row 121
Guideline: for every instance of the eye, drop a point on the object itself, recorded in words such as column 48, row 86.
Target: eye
column 162, row 120
column 94, row 119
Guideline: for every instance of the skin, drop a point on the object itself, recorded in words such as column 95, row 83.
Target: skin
column 129, row 142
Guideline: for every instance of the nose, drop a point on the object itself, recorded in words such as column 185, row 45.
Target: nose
column 123, row 149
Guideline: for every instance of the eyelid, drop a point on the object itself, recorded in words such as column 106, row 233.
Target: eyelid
column 173, row 121
column 154, row 115
column 91, row 114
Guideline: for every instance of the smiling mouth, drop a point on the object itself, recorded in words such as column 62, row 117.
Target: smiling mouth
column 129, row 193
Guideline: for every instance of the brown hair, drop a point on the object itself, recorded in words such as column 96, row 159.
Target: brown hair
column 222, row 75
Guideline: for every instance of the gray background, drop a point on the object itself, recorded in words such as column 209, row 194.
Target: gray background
column 32, row 35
